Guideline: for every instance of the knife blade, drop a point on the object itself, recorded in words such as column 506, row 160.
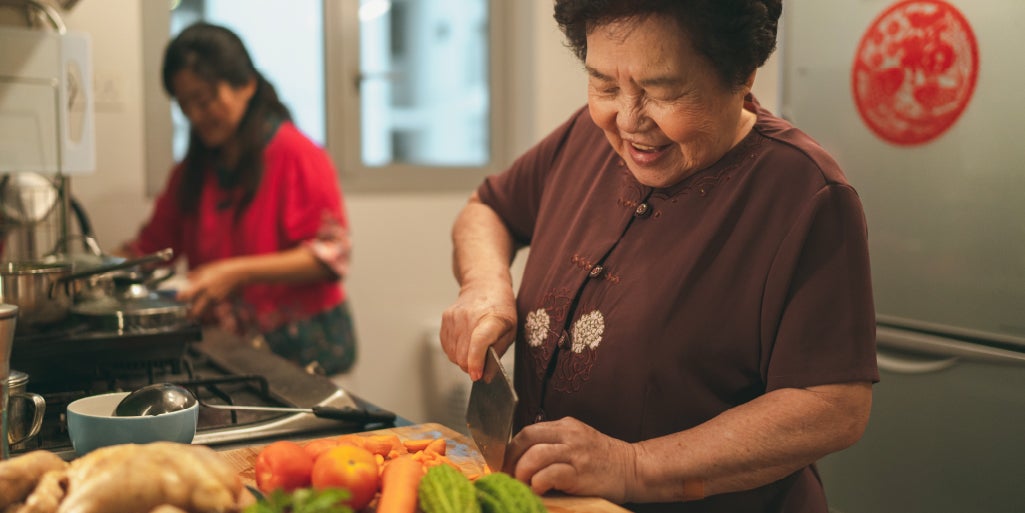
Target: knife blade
column 489, row 414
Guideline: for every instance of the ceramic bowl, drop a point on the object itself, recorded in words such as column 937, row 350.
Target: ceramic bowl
column 92, row 424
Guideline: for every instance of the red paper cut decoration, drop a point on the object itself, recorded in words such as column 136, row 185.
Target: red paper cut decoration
column 915, row 71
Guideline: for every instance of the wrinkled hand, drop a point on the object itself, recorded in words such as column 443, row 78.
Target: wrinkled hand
column 572, row 457
column 210, row 285
column 483, row 315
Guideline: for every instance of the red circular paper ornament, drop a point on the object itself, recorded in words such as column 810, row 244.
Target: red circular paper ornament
column 915, row 71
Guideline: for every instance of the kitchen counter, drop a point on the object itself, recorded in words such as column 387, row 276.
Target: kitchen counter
column 289, row 384
column 259, row 359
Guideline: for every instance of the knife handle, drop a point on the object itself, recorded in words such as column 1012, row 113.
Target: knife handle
column 350, row 414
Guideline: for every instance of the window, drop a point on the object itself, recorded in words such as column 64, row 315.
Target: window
column 401, row 92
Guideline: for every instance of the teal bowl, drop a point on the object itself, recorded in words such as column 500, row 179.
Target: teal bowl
column 92, row 424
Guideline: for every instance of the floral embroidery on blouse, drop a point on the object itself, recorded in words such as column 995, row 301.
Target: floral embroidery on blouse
column 543, row 328
column 579, row 352
column 574, row 366
column 587, row 331
column 538, row 326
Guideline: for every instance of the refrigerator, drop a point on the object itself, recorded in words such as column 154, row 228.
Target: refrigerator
column 918, row 100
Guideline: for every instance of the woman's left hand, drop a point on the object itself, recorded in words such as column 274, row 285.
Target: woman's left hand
column 572, row 457
column 210, row 285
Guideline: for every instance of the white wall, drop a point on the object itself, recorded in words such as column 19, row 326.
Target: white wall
column 113, row 195
column 401, row 275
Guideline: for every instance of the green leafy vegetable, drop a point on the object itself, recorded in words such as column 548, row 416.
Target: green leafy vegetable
column 303, row 500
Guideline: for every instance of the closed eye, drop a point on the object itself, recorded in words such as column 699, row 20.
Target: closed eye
column 601, row 83
column 605, row 90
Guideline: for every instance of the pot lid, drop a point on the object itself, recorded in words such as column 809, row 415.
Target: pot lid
column 152, row 304
column 27, row 267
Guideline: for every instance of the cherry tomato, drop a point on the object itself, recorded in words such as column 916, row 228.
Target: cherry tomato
column 284, row 465
column 350, row 467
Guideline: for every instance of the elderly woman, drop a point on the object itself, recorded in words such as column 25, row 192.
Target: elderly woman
column 695, row 326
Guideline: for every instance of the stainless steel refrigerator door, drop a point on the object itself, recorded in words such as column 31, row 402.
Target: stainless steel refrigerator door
column 946, row 435
column 946, row 236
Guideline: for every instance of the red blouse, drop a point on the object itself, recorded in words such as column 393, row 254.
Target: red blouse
column 299, row 202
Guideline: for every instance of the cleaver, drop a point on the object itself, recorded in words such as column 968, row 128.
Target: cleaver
column 489, row 414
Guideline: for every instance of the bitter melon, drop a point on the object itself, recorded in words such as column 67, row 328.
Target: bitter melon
column 446, row 490
column 501, row 493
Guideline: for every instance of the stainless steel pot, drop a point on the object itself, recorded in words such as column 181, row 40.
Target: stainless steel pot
column 44, row 292
column 37, row 291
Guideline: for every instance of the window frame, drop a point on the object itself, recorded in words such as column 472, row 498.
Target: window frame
column 341, row 75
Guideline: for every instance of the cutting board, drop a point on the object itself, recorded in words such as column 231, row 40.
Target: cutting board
column 460, row 450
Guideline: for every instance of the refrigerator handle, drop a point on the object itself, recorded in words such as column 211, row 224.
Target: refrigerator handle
column 942, row 353
column 902, row 365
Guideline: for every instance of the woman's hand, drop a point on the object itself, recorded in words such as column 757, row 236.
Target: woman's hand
column 210, row 285
column 572, row 457
column 484, row 314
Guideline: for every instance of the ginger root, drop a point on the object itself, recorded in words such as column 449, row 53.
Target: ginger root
column 20, row 475
column 47, row 495
column 161, row 477
column 139, row 478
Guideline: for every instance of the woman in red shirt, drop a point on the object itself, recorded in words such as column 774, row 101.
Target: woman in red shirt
column 255, row 207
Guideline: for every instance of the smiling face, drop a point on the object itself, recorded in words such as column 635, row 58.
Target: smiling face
column 214, row 110
column 660, row 103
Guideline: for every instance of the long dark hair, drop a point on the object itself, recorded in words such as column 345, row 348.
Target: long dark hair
column 737, row 36
column 216, row 54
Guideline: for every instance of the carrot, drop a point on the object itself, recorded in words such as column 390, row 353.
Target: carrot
column 437, row 446
column 383, row 444
column 357, row 440
column 417, row 445
column 439, row 460
column 399, row 482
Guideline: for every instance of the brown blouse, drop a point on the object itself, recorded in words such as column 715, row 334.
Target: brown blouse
column 644, row 312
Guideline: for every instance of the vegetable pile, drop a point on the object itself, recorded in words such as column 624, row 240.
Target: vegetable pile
column 380, row 473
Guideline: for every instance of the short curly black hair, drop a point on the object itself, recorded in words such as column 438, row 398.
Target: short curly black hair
column 737, row 36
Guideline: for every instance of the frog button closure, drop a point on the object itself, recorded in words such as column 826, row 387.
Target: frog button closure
column 642, row 210
column 596, row 271
column 563, row 341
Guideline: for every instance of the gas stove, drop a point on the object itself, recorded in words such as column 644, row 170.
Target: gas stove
column 217, row 367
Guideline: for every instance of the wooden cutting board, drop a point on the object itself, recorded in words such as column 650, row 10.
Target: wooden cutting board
column 460, row 450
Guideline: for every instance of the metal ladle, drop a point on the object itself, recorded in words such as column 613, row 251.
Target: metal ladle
column 167, row 397
column 155, row 399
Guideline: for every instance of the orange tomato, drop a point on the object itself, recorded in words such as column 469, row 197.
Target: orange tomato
column 350, row 467
column 283, row 465
column 320, row 446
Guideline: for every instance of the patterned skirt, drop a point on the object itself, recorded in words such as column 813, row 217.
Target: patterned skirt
column 323, row 344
